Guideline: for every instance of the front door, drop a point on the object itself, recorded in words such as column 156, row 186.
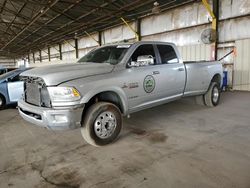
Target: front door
column 142, row 77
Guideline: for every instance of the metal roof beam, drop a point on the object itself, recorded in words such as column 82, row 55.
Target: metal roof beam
column 50, row 20
column 14, row 23
column 13, row 5
column 95, row 6
column 80, row 17
column 131, row 5
column 63, row 13
column 5, row 32
column 24, row 18
column 103, row 18
column 2, row 8
column 19, row 11
column 36, row 17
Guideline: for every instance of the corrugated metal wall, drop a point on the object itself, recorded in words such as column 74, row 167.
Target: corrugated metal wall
column 54, row 53
column 68, row 50
column 117, row 34
column 6, row 62
column 196, row 52
column 242, row 65
column 175, row 25
column 85, row 44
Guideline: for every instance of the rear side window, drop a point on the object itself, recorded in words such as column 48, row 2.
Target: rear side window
column 167, row 53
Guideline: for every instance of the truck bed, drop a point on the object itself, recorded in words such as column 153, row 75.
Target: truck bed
column 199, row 75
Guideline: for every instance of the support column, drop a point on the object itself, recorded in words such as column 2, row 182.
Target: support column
column 60, row 51
column 34, row 60
column 216, row 5
column 138, row 28
column 76, row 48
column 49, row 53
column 28, row 57
column 100, row 38
column 213, row 13
column 40, row 55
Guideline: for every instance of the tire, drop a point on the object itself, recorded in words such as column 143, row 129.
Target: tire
column 101, row 116
column 2, row 102
column 212, row 97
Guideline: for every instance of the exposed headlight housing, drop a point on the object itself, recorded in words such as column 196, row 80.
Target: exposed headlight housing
column 63, row 94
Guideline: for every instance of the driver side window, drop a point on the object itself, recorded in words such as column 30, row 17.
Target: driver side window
column 144, row 55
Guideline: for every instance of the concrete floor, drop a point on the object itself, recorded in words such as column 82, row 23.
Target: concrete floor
column 174, row 145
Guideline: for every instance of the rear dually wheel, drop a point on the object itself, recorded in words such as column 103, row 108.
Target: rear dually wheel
column 212, row 97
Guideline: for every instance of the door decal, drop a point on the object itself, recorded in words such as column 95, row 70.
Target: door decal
column 149, row 84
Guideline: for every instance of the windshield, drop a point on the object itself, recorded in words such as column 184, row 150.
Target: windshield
column 8, row 74
column 108, row 54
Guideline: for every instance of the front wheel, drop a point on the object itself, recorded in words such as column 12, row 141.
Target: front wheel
column 102, row 124
column 212, row 97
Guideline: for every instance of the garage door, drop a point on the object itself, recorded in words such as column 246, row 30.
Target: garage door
column 242, row 66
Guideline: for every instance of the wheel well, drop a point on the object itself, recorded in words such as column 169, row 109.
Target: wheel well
column 217, row 78
column 107, row 96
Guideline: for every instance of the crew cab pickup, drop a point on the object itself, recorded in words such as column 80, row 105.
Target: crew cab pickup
column 114, row 81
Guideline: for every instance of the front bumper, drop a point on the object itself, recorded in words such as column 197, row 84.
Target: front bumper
column 56, row 119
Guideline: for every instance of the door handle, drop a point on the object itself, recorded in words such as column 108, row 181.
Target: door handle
column 156, row 72
column 180, row 69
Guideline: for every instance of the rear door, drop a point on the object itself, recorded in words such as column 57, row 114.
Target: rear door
column 172, row 71
column 15, row 88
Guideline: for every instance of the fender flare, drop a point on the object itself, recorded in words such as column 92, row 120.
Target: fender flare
column 121, row 94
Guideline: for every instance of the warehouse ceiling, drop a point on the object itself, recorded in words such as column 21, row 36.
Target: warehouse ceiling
column 29, row 25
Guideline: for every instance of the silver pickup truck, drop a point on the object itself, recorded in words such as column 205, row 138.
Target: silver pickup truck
column 114, row 81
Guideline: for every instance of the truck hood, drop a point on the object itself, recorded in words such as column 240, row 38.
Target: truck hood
column 56, row 74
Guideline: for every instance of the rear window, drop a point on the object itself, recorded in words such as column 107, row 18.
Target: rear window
column 167, row 53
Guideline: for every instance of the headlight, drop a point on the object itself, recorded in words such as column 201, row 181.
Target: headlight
column 61, row 94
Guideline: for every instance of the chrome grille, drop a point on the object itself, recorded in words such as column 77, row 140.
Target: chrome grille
column 33, row 95
column 36, row 92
